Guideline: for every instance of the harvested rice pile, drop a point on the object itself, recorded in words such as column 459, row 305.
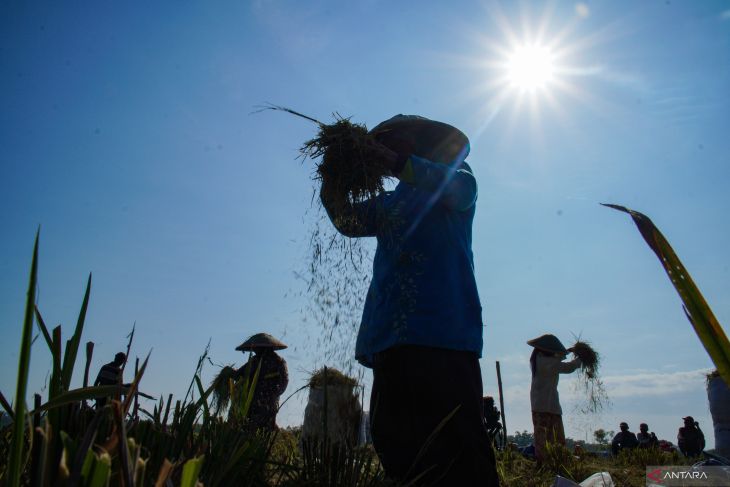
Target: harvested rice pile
column 589, row 382
column 333, row 378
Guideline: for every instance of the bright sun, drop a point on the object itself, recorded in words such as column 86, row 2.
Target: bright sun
column 530, row 67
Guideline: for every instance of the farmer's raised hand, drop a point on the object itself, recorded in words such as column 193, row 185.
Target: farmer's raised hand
column 385, row 154
column 395, row 150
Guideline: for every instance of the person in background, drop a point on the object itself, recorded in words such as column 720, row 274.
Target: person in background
column 272, row 379
column 690, row 439
column 624, row 440
column 421, row 328
column 546, row 364
column 110, row 374
column 491, row 422
column 645, row 438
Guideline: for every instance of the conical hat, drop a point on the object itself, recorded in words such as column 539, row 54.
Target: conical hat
column 259, row 341
column 431, row 136
column 547, row 343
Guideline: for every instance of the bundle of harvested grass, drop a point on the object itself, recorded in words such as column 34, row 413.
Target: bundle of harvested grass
column 589, row 382
column 222, row 390
column 332, row 377
column 350, row 163
column 589, row 358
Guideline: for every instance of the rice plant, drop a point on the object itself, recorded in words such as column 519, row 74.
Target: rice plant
column 64, row 441
column 698, row 312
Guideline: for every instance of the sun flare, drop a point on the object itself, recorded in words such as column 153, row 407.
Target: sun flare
column 530, row 67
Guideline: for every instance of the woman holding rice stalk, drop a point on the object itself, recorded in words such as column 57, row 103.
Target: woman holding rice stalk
column 546, row 363
column 421, row 330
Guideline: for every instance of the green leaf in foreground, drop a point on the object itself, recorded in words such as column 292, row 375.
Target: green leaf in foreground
column 15, row 465
column 86, row 393
column 191, row 471
column 72, row 346
column 698, row 312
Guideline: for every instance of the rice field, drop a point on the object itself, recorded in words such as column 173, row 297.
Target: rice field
column 64, row 440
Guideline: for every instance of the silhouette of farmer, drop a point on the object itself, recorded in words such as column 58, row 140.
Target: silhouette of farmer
column 546, row 364
column 645, row 438
column 421, row 328
column 110, row 374
column 690, row 439
column 624, row 440
column 272, row 379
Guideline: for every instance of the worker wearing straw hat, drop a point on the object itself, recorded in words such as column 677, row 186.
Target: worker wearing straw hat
column 546, row 363
column 272, row 379
column 421, row 329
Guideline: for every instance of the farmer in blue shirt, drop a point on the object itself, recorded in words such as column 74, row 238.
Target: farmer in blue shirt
column 421, row 329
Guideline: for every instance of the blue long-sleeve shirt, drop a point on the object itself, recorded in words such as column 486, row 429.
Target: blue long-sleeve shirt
column 423, row 290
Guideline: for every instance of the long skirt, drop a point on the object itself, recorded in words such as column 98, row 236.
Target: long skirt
column 548, row 428
column 426, row 418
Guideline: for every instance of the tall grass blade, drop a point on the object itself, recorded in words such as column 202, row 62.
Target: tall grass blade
column 56, row 386
column 246, row 394
column 89, row 355
column 132, row 392
column 6, row 406
column 167, row 411
column 83, row 394
column 43, row 327
column 135, row 409
column 698, row 312
column 125, row 475
column 198, row 368
column 203, row 397
column 72, row 347
column 15, row 465
column 130, row 338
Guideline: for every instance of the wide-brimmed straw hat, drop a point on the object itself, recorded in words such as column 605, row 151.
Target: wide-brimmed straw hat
column 547, row 343
column 431, row 137
column 261, row 341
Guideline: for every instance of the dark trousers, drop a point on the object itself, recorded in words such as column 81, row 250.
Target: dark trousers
column 415, row 389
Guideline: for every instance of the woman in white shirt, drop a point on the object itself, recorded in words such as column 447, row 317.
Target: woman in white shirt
column 546, row 363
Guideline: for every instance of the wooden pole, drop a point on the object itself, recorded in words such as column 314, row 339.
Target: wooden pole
column 501, row 404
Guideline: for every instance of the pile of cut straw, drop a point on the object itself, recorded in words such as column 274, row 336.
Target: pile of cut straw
column 332, row 377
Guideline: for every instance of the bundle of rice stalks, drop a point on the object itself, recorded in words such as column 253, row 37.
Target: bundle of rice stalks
column 589, row 383
column 589, row 358
column 350, row 163
column 222, row 388
column 332, row 377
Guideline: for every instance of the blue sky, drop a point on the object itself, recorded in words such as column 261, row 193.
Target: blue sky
column 127, row 134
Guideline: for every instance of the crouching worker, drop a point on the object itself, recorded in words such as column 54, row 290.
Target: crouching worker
column 421, row 329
